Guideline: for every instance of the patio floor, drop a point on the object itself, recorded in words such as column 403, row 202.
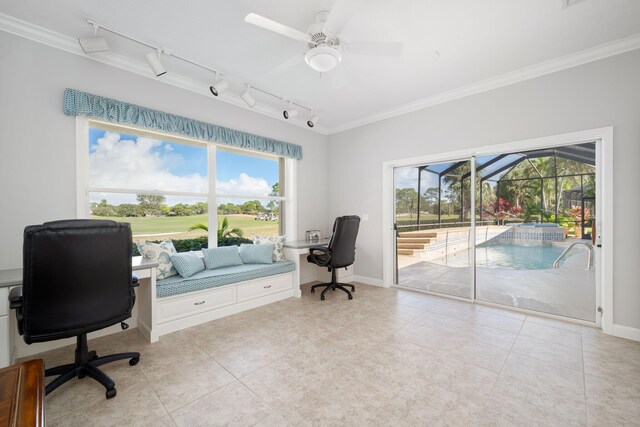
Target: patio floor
column 568, row 291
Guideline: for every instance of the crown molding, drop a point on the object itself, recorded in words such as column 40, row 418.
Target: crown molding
column 572, row 60
column 56, row 40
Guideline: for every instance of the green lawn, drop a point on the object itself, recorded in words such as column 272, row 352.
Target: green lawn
column 176, row 227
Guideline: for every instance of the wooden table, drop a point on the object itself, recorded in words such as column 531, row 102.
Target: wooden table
column 22, row 394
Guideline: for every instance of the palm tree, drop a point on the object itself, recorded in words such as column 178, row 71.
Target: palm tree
column 223, row 229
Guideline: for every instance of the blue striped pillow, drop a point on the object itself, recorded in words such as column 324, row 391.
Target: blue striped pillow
column 257, row 254
column 187, row 263
column 223, row 256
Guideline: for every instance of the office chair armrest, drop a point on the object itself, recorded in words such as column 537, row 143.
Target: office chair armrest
column 324, row 251
column 134, row 281
column 15, row 298
column 15, row 303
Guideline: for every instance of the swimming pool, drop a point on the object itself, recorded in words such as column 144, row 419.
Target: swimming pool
column 507, row 256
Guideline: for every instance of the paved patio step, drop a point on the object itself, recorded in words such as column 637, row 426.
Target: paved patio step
column 421, row 246
column 410, row 252
column 430, row 234
column 424, row 240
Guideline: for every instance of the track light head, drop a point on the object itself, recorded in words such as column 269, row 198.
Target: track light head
column 153, row 59
column 93, row 44
column 291, row 112
column 247, row 98
column 218, row 87
column 313, row 120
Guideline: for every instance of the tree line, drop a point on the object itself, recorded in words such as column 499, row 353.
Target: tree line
column 153, row 205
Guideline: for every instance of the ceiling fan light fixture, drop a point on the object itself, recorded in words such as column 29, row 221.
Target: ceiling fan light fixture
column 153, row 59
column 323, row 58
column 218, row 87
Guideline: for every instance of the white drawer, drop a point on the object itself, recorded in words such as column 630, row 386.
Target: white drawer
column 171, row 308
column 4, row 302
column 264, row 286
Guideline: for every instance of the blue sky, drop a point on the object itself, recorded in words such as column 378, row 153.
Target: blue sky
column 118, row 160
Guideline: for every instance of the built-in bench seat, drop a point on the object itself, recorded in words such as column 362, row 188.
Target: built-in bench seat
column 206, row 279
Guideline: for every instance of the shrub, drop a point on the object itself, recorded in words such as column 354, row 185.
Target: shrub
column 197, row 243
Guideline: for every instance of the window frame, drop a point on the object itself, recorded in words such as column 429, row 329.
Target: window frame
column 287, row 176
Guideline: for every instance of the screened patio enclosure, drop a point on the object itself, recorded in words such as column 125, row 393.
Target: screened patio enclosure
column 530, row 207
column 544, row 186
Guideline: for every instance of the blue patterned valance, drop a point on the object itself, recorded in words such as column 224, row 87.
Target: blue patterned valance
column 78, row 103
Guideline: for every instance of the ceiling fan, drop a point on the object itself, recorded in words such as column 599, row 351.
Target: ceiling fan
column 323, row 39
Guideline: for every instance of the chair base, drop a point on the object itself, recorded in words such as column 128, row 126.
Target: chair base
column 86, row 364
column 333, row 286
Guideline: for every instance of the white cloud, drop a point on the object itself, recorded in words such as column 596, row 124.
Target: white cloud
column 144, row 164
column 116, row 163
column 245, row 184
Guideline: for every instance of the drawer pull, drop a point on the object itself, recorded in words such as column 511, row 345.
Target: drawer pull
column 267, row 287
column 199, row 303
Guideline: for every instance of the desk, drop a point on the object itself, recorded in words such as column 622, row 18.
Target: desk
column 145, row 270
column 297, row 252
column 22, row 394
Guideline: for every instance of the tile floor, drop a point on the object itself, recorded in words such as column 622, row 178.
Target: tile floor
column 388, row 357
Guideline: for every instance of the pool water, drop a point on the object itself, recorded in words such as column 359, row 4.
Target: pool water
column 507, row 256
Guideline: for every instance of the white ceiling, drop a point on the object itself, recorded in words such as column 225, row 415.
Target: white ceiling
column 474, row 40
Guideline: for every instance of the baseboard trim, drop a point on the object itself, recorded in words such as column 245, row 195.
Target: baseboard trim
column 368, row 280
column 626, row 332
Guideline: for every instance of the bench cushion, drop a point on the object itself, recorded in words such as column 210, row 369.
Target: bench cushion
column 219, row 277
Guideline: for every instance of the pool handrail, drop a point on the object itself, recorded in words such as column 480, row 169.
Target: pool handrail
column 589, row 246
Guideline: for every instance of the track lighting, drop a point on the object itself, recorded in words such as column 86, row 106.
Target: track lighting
column 313, row 120
column 290, row 112
column 153, row 59
column 219, row 86
column 93, row 44
column 99, row 44
column 247, row 98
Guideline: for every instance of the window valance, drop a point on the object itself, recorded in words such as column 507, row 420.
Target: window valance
column 78, row 103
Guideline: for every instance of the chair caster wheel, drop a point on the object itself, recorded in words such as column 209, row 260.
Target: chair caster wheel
column 134, row 361
column 322, row 298
column 111, row 393
column 333, row 289
column 350, row 296
column 313, row 291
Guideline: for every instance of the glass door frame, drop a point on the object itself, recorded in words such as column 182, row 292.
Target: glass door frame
column 603, row 137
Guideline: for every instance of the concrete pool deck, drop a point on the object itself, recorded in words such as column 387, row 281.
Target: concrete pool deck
column 568, row 291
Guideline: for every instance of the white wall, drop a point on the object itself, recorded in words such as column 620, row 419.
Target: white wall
column 37, row 141
column 602, row 93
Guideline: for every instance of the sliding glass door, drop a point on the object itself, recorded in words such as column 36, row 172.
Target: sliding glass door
column 433, row 211
column 529, row 244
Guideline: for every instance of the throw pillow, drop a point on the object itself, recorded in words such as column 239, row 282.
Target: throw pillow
column 160, row 253
column 222, row 256
column 187, row 263
column 277, row 241
column 256, row 254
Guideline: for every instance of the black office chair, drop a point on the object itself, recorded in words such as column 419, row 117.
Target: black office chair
column 77, row 279
column 340, row 252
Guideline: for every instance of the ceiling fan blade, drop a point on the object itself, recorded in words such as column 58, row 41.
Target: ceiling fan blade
column 276, row 27
column 384, row 49
column 340, row 15
column 286, row 65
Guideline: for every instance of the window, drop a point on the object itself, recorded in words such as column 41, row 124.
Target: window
column 163, row 185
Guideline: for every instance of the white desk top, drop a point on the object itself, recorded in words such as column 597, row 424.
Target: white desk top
column 305, row 244
column 13, row 277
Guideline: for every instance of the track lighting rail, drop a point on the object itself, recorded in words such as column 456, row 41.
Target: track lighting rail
column 153, row 58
